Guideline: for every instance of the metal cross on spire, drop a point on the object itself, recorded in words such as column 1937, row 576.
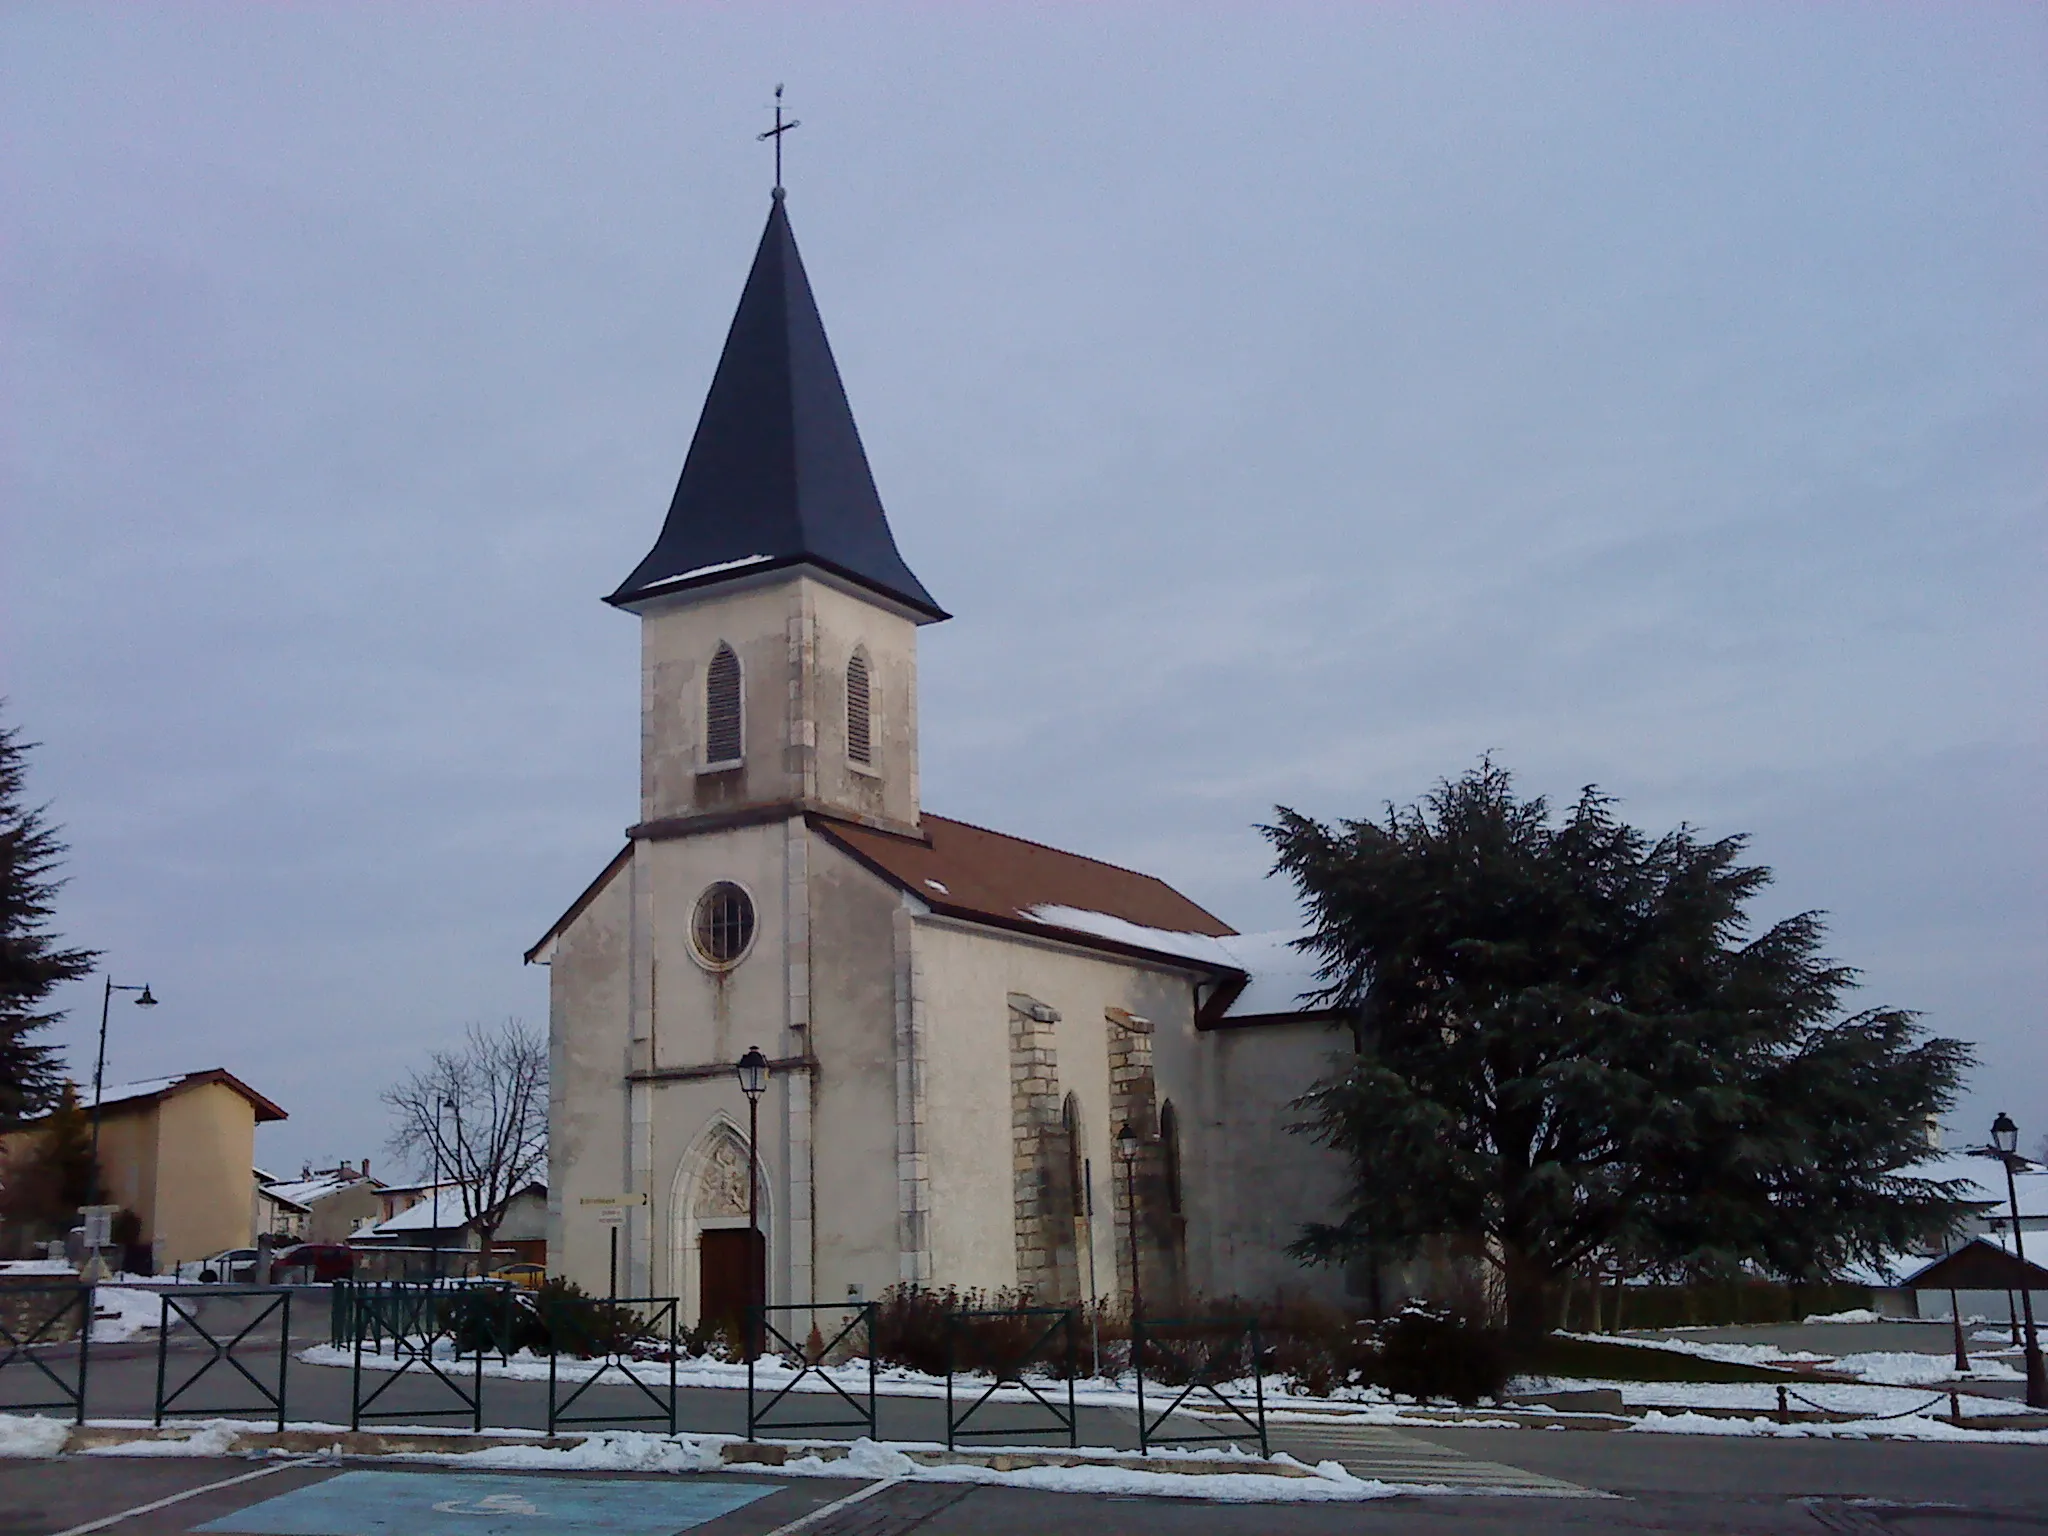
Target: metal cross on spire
column 776, row 134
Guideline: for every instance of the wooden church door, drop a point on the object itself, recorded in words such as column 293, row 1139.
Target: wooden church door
column 731, row 1274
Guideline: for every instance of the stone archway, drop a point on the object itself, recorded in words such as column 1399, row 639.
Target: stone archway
column 710, row 1195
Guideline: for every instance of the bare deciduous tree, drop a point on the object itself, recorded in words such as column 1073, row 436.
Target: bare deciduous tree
column 478, row 1115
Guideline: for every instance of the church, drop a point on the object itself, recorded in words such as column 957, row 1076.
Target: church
column 957, row 1023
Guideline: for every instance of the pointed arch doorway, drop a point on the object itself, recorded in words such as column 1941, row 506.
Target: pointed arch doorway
column 721, row 1265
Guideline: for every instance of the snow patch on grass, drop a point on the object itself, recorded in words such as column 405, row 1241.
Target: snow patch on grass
column 119, row 1313
column 24, row 1436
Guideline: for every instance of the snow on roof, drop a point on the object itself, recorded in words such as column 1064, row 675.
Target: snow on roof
column 306, row 1191
column 1283, row 978
column 146, row 1088
column 440, row 1211
column 1280, row 975
column 1166, row 941
column 707, row 570
column 157, row 1087
column 1988, row 1183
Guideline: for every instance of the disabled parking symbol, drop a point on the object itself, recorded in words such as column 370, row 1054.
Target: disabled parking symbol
column 366, row 1503
column 490, row 1504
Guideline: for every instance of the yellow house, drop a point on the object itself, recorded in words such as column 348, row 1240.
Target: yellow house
column 177, row 1152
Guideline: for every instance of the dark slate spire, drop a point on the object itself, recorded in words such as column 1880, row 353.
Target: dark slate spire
column 776, row 475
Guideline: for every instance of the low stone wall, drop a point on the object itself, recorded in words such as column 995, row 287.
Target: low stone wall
column 43, row 1308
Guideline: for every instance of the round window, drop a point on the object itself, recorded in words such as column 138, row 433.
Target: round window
column 723, row 926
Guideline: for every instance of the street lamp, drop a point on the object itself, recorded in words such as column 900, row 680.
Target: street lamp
column 752, row 1071
column 441, row 1106
column 1127, row 1149
column 99, row 1068
column 2005, row 1141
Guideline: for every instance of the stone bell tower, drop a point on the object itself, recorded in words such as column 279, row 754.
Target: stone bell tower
column 778, row 621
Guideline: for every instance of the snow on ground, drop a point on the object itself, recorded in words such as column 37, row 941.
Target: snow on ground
column 119, row 1313
column 1892, row 1387
column 1897, row 1429
column 1830, row 1397
column 1853, row 1315
column 1112, row 1472
column 1728, row 1354
column 55, row 1268
column 772, row 1374
column 24, row 1436
column 1905, row 1369
column 1106, row 1472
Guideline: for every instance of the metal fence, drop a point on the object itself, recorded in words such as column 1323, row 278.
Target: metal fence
column 1006, row 1344
column 201, row 1310
column 416, row 1327
column 46, row 1335
column 634, row 1339
column 851, row 1340
column 1196, row 1360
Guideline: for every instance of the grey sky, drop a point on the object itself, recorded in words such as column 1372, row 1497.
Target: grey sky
column 1292, row 403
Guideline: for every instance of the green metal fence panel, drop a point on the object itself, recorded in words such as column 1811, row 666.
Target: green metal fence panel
column 417, row 1326
column 1007, row 1343
column 634, row 1339
column 198, row 1310
column 853, row 1337
column 1197, row 1361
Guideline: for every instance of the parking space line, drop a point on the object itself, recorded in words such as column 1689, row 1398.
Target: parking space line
column 177, row 1498
column 804, row 1521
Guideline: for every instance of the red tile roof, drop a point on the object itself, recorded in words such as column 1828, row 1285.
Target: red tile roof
column 971, row 872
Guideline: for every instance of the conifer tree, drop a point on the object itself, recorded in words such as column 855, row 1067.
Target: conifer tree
column 1569, row 1044
column 50, row 1174
column 32, row 961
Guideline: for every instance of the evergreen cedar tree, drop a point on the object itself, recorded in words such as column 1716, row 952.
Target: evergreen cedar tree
column 32, row 964
column 45, row 1181
column 1568, row 1045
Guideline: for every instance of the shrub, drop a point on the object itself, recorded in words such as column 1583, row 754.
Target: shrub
column 559, row 1318
column 1429, row 1352
column 920, row 1329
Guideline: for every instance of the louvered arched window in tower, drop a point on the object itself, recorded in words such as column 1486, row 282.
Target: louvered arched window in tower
column 860, row 720
column 724, row 715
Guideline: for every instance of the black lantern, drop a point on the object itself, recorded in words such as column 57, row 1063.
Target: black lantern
column 2005, row 1136
column 752, row 1071
column 1126, row 1142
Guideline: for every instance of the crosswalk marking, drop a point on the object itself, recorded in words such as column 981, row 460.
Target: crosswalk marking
column 1375, row 1451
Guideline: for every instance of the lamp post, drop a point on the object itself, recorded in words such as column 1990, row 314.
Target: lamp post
column 99, row 1068
column 2005, row 1141
column 752, row 1071
column 441, row 1106
column 1127, row 1149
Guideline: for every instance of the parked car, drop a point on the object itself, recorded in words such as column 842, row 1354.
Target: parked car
column 528, row 1277
column 313, row 1263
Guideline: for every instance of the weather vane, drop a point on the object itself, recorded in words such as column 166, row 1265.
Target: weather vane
column 776, row 134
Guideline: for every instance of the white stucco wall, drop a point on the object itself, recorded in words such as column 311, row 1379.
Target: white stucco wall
column 1251, row 1183
column 969, row 973
column 856, row 1115
column 588, row 1057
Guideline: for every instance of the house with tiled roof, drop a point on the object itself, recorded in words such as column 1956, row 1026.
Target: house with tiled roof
column 178, row 1151
column 957, row 1021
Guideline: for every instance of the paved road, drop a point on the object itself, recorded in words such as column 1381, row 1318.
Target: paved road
column 1739, row 1487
